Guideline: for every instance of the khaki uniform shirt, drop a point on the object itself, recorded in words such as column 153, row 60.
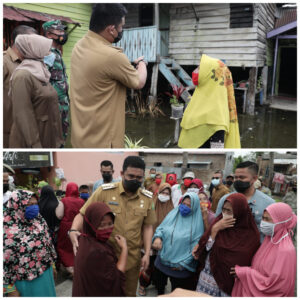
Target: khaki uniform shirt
column 131, row 213
column 36, row 118
column 10, row 62
column 100, row 74
column 217, row 194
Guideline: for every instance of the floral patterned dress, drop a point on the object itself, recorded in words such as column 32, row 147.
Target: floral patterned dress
column 28, row 251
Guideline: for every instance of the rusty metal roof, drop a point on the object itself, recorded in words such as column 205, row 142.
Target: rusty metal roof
column 288, row 16
column 10, row 13
column 15, row 14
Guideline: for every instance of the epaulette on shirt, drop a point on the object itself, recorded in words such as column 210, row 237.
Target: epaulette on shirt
column 108, row 186
column 147, row 193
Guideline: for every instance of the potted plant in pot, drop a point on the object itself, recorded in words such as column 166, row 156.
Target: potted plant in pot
column 177, row 107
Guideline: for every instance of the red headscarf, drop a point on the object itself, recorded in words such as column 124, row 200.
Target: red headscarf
column 173, row 181
column 199, row 184
column 233, row 246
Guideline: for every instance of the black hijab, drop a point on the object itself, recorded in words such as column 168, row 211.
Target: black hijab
column 48, row 203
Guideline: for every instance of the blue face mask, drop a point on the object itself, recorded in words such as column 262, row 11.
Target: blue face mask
column 215, row 182
column 31, row 211
column 184, row 210
column 49, row 59
column 84, row 196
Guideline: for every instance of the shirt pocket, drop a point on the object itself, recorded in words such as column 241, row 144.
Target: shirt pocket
column 115, row 209
column 140, row 212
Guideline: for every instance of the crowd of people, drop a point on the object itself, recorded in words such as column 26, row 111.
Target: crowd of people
column 37, row 106
column 126, row 234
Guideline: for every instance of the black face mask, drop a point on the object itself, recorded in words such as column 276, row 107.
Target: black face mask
column 5, row 187
column 119, row 37
column 131, row 185
column 241, row 186
column 229, row 182
column 62, row 39
column 107, row 177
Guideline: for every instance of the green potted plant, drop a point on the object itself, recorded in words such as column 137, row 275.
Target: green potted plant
column 176, row 106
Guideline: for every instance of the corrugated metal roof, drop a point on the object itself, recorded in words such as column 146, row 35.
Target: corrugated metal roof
column 11, row 12
column 288, row 16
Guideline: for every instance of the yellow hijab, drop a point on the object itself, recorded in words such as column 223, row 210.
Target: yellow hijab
column 212, row 107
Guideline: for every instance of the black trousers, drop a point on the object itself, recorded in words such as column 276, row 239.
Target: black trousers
column 217, row 137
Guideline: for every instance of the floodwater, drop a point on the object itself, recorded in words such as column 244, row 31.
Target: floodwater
column 268, row 128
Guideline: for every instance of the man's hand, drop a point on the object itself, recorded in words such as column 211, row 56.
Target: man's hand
column 157, row 244
column 145, row 262
column 74, row 235
column 138, row 59
column 194, row 252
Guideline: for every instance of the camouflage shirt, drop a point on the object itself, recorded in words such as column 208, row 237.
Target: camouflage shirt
column 59, row 81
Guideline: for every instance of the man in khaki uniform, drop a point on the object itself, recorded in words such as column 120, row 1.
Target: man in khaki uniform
column 219, row 189
column 11, row 59
column 134, row 216
column 100, row 74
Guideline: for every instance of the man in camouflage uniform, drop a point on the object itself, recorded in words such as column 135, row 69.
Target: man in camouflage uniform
column 56, row 31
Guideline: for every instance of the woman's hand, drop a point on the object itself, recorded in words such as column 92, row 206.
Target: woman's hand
column 232, row 272
column 194, row 252
column 121, row 241
column 157, row 244
column 221, row 225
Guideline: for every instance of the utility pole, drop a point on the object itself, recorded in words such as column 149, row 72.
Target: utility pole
column 271, row 169
column 185, row 157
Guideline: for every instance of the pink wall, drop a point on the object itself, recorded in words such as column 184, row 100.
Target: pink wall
column 84, row 167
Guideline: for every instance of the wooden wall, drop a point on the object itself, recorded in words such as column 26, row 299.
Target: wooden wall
column 213, row 36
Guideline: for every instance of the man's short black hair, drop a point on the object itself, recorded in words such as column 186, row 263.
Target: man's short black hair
column 83, row 187
column 105, row 14
column 133, row 162
column 153, row 169
column 22, row 29
column 106, row 163
column 251, row 165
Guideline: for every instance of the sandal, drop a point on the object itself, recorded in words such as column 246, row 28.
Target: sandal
column 142, row 291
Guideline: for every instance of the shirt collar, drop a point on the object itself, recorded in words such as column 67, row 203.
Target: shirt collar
column 94, row 35
column 12, row 54
column 251, row 200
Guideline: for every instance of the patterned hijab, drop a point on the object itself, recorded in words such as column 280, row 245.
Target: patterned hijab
column 27, row 247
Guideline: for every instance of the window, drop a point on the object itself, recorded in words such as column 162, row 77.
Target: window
column 241, row 15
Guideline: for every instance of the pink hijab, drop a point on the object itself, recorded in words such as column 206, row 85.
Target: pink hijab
column 273, row 269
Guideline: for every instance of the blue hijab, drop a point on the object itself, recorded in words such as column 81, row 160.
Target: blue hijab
column 180, row 234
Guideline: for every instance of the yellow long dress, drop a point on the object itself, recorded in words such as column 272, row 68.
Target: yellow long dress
column 212, row 107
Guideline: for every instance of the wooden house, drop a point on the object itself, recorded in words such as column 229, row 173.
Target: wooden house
column 175, row 35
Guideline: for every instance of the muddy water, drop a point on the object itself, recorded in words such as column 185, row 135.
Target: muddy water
column 269, row 128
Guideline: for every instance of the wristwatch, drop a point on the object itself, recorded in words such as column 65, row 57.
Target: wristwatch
column 72, row 230
column 145, row 61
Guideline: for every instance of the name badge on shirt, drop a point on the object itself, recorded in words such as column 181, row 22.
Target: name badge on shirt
column 113, row 203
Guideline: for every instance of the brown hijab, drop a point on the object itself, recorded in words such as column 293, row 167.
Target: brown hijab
column 34, row 48
column 162, row 208
column 95, row 270
column 233, row 246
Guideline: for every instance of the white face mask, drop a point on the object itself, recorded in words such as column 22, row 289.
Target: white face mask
column 193, row 190
column 268, row 228
column 226, row 216
column 163, row 198
column 215, row 182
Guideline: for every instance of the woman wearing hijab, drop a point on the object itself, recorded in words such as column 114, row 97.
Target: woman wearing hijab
column 171, row 179
column 28, row 252
column 232, row 239
column 163, row 205
column 175, row 239
column 273, row 269
column 36, row 117
column 51, row 210
column 72, row 204
column 196, row 186
column 207, row 214
column 210, row 119
column 97, row 271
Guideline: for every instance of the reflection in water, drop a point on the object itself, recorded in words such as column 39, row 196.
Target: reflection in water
column 269, row 128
